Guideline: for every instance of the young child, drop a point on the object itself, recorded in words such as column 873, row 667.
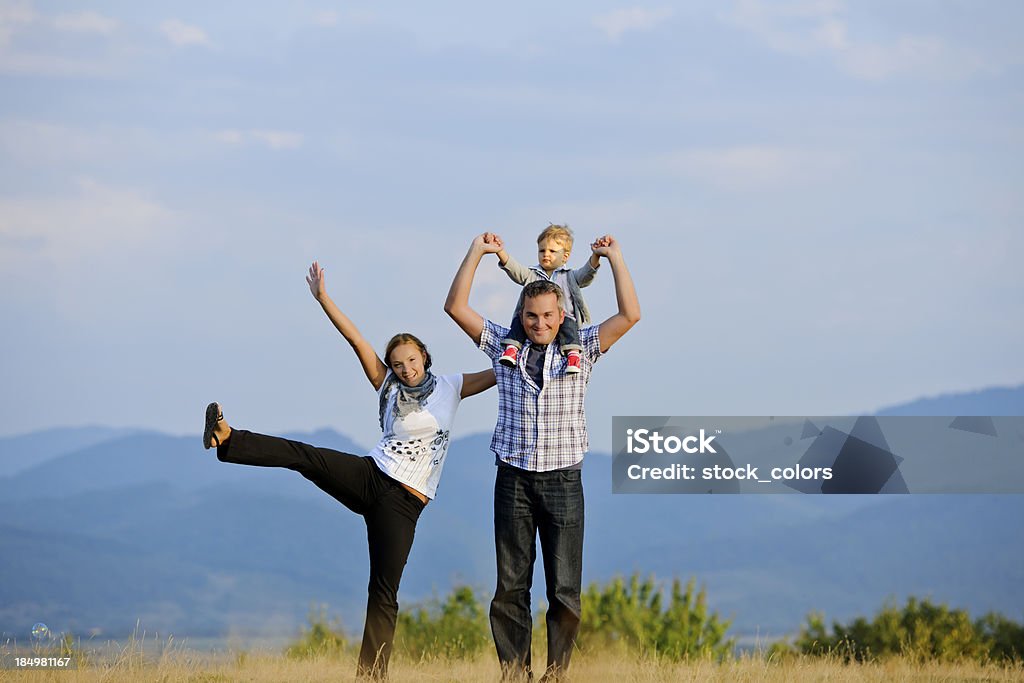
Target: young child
column 554, row 245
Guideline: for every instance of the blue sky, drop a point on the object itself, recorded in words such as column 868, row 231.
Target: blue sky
column 819, row 201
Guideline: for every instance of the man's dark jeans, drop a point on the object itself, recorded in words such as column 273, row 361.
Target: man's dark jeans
column 526, row 503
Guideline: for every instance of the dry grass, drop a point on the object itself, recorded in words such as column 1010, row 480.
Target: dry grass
column 179, row 665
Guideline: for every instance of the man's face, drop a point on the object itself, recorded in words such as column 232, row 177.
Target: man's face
column 541, row 317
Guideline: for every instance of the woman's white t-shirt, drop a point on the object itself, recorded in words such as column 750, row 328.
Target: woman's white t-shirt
column 414, row 447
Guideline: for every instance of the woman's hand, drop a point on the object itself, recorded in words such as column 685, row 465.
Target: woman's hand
column 316, row 281
column 373, row 367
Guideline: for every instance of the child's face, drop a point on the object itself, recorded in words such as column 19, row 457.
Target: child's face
column 552, row 254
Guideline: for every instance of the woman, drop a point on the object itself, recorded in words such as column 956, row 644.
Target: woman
column 390, row 486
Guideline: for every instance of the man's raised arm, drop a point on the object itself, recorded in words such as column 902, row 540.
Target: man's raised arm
column 625, row 294
column 457, row 303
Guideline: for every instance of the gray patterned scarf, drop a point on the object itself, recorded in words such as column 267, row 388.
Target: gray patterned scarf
column 407, row 399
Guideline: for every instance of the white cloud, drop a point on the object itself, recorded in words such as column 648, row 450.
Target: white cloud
column 182, row 34
column 909, row 54
column 54, row 65
column 28, row 142
column 616, row 23
column 799, row 28
column 817, row 28
column 831, row 33
column 62, row 150
column 353, row 17
column 230, row 137
column 278, row 139
column 44, row 59
column 13, row 15
column 273, row 139
column 85, row 22
column 326, row 18
column 748, row 167
column 95, row 219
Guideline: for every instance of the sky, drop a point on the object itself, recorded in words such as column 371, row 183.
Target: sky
column 819, row 201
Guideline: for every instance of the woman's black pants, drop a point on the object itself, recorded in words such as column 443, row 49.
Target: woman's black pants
column 357, row 483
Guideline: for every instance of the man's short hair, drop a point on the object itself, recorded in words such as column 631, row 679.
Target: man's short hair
column 559, row 233
column 541, row 287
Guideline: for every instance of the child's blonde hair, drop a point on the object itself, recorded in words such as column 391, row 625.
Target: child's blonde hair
column 559, row 233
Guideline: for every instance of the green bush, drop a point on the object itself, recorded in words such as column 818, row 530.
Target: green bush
column 921, row 631
column 627, row 616
column 630, row 617
column 1005, row 638
column 457, row 628
column 320, row 639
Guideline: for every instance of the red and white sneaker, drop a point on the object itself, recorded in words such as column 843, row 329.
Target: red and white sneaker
column 510, row 357
column 572, row 362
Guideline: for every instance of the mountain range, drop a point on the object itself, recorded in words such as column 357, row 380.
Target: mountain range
column 103, row 530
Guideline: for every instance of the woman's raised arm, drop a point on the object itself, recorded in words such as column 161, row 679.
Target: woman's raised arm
column 373, row 366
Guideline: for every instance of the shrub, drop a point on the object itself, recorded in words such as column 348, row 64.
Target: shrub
column 629, row 616
column 1005, row 638
column 320, row 639
column 457, row 628
column 921, row 631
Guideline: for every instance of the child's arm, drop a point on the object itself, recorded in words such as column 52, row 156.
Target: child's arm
column 373, row 366
column 503, row 256
column 515, row 270
column 585, row 274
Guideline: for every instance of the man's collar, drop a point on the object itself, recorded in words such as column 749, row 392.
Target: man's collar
column 532, row 346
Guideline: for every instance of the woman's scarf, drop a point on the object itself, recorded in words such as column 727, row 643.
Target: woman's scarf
column 407, row 399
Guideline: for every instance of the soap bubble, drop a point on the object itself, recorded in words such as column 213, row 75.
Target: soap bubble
column 40, row 631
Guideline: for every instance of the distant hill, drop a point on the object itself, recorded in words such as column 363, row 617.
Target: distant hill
column 994, row 401
column 19, row 453
column 147, row 457
column 151, row 528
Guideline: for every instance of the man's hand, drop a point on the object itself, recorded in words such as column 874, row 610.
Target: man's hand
column 628, row 314
column 457, row 303
column 488, row 243
column 605, row 246
column 317, row 281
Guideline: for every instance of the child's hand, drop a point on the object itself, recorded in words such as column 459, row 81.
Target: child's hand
column 488, row 242
column 316, row 281
column 495, row 239
column 501, row 253
column 604, row 246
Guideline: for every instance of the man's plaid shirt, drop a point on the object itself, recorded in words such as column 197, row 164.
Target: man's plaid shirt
column 540, row 429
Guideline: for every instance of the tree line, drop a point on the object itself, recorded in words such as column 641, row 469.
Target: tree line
column 643, row 616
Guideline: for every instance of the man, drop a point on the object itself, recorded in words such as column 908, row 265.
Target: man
column 539, row 442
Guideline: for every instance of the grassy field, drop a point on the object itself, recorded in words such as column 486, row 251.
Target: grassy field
column 183, row 666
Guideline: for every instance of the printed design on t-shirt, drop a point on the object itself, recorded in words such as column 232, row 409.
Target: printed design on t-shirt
column 413, row 449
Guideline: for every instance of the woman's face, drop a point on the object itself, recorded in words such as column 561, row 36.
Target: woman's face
column 406, row 361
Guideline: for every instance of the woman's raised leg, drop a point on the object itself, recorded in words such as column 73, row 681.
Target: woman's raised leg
column 348, row 478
